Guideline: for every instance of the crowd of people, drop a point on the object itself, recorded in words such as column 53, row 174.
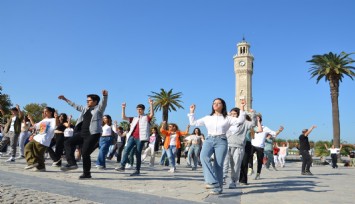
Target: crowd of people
column 232, row 139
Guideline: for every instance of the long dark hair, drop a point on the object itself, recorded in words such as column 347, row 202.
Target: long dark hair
column 50, row 109
column 237, row 110
column 65, row 117
column 224, row 109
column 156, row 131
column 109, row 120
column 199, row 131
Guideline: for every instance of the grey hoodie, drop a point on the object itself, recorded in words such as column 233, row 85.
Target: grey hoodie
column 236, row 134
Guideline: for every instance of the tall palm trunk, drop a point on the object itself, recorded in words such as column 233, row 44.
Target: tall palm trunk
column 165, row 113
column 334, row 93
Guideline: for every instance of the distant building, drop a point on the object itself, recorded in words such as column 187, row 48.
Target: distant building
column 243, row 68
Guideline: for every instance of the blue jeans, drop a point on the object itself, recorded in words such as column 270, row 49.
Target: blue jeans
column 104, row 144
column 193, row 151
column 130, row 144
column 218, row 146
column 171, row 152
column 22, row 140
column 270, row 159
column 163, row 156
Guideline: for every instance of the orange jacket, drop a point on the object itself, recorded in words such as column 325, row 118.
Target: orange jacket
column 167, row 138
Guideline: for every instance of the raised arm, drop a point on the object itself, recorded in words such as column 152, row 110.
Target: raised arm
column 67, row 124
column 77, row 107
column 124, row 117
column 62, row 97
column 325, row 145
column 242, row 115
column 279, row 130
column 186, row 131
column 309, row 130
column 31, row 119
column 103, row 102
column 57, row 122
column 163, row 126
column 151, row 110
column 260, row 127
column 20, row 114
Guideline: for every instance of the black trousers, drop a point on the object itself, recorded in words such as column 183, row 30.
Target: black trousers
column 260, row 155
column 334, row 160
column 59, row 147
column 306, row 160
column 178, row 155
column 88, row 143
column 243, row 178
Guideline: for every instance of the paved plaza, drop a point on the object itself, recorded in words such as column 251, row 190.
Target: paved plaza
column 157, row 185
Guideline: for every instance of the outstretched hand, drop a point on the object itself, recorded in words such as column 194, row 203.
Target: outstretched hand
column 192, row 108
column 62, row 97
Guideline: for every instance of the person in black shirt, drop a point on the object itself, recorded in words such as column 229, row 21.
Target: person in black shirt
column 87, row 131
column 304, row 151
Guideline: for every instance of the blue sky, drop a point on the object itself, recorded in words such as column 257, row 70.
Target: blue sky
column 130, row 48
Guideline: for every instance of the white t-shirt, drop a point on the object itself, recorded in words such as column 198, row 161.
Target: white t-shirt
column 25, row 126
column 283, row 151
column 46, row 131
column 259, row 138
column 334, row 150
column 173, row 139
column 12, row 125
column 195, row 139
column 217, row 125
column 152, row 140
column 106, row 130
column 68, row 132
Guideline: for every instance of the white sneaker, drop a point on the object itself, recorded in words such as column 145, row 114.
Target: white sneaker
column 128, row 166
column 172, row 170
column 100, row 167
column 11, row 159
column 250, row 171
column 31, row 166
column 20, row 157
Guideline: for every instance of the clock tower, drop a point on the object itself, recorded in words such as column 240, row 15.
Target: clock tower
column 243, row 68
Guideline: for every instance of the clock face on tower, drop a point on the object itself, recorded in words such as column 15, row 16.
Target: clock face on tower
column 242, row 63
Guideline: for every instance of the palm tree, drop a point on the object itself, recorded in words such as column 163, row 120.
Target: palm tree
column 124, row 125
column 166, row 101
column 333, row 68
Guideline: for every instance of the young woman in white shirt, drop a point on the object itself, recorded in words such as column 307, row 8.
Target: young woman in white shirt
column 334, row 154
column 35, row 149
column 196, row 139
column 105, row 141
column 153, row 146
column 217, row 124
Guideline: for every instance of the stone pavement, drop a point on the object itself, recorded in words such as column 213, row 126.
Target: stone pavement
column 156, row 185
